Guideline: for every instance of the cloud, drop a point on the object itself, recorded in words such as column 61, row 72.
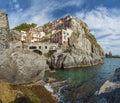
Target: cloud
column 40, row 11
column 17, row 6
column 14, row 1
column 14, row 6
column 105, row 25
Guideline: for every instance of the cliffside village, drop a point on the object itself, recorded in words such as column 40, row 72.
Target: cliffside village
column 51, row 36
column 47, row 37
column 56, row 29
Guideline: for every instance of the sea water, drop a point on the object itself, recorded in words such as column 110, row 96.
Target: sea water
column 83, row 83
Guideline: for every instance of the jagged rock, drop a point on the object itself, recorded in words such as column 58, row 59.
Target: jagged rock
column 19, row 67
column 110, row 91
column 75, row 58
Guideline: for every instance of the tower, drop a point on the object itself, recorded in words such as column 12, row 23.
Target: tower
column 4, row 30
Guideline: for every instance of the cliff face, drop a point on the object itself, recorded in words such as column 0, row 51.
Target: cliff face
column 82, row 49
column 82, row 38
column 4, row 31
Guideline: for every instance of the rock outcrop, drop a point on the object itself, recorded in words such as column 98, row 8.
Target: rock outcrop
column 110, row 91
column 4, row 31
column 82, row 49
column 20, row 67
column 16, row 65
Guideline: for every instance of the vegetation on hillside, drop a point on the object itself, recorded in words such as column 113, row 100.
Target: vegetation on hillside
column 24, row 26
column 14, row 37
column 49, row 54
column 91, row 38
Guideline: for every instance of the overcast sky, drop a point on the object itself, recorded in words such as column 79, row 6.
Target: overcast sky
column 102, row 16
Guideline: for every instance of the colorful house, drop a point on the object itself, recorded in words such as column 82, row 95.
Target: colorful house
column 36, row 34
column 61, row 36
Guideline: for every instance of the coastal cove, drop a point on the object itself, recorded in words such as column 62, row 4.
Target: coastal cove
column 82, row 83
column 59, row 51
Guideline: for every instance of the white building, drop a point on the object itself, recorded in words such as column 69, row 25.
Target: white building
column 36, row 34
column 66, row 34
column 23, row 35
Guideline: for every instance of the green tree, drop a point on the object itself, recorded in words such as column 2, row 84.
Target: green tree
column 24, row 26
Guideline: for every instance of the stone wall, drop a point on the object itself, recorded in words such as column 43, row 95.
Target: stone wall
column 4, row 31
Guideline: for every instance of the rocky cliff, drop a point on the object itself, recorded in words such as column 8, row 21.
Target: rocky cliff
column 110, row 91
column 82, row 49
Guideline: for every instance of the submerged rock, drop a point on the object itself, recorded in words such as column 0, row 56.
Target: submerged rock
column 110, row 91
column 51, row 80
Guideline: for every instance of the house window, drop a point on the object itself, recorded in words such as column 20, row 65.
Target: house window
column 39, row 47
column 32, row 47
column 64, row 37
column 45, row 47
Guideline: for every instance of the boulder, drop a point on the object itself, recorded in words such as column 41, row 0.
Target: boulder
column 20, row 67
column 110, row 91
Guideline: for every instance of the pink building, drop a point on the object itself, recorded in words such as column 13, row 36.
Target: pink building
column 61, row 36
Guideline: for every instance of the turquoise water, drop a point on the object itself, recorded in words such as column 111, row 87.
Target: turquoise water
column 85, row 81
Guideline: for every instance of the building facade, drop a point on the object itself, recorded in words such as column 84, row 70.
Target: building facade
column 23, row 36
column 61, row 36
column 36, row 34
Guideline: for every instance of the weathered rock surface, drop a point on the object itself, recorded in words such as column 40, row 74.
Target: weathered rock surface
column 19, row 67
column 110, row 91
column 74, row 58
column 4, row 31
column 82, row 49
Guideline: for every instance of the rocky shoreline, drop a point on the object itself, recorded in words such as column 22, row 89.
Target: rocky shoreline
column 83, row 66
column 73, row 58
column 110, row 90
column 19, row 66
